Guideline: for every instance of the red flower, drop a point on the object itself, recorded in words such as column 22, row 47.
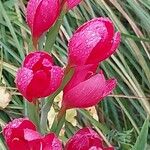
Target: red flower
column 14, row 133
column 86, row 139
column 21, row 134
column 86, row 89
column 93, row 42
column 41, row 15
column 38, row 77
column 72, row 3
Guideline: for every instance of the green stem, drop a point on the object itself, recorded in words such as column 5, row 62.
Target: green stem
column 35, row 43
column 59, row 121
column 53, row 32
column 48, row 103
column 61, row 113
column 44, row 112
column 32, row 112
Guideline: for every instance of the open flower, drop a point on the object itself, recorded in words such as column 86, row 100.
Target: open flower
column 14, row 133
column 41, row 15
column 93, row 42
column 86, row 139
column 38, row 77
column 72, row 3
column 86, row 89
column 21, row 134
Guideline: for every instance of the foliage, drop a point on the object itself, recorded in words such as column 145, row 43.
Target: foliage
column 122, row 114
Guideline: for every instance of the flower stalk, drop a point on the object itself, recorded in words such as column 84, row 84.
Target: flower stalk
column 49, row 101
column 59, row 121
column 53, row 32
column 35, row 43
column 32, row 112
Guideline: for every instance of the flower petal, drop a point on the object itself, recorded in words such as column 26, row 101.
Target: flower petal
column 38, row 60
column 39, row 85
column 13, row 131
column 85, row 94
column 85, row 138
column 50, row 141
column 73, row 3
column 110, row 85
column 79, row 50
column 115, row 43
column 19, row 143
column 96, row 42
column 31, row 10
column 38, row 77
column 79, row 142
column 104, row 50
column 23, row 79
column 31, row 135
column 33, row 139
column 41, row 15
column 57, row 74
column 80, row 74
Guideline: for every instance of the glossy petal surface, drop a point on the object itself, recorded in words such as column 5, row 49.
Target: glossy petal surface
column 41, row 15
column 81, row 73
column 38, row 77
column 85, row 139
column 85, row 94
column 97, row 42
column 57, row 74
column 50, row 141
column 38, row 60
column 23, row 79
column 21, row 134
column 39, row 85
column 13, row 133
column 88, row 91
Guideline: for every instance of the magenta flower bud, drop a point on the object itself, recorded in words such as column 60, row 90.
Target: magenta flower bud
column 73, row 3
column 38, row 77
column 93, row 42
column 86, row 89
column 86, row 139
column 21, row 134
column 41, row 15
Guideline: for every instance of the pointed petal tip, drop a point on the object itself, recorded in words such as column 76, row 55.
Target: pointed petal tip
column 110, row 86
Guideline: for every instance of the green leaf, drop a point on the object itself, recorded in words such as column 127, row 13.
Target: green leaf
column 53, row 32
column 141, row 141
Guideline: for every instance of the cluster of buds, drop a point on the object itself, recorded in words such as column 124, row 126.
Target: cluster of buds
column 39, row 77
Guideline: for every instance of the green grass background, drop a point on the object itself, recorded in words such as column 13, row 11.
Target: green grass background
column 124, row 115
